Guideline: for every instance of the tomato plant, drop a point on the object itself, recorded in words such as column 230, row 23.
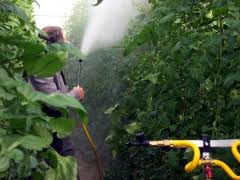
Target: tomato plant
column 25, row 131
column 184, row 85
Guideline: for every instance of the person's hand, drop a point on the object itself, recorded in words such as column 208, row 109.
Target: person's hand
column 78, row 93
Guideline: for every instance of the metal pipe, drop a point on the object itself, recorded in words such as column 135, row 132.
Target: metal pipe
column 79, row 70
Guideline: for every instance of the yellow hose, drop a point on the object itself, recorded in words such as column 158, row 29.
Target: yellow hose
column 235, row 151
column 182, row 144
column 99, row 165
column 226, row 168
column 222, row 165
column 196, row 153
column 196, row 161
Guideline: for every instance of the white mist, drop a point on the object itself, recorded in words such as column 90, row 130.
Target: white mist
column 108, row 23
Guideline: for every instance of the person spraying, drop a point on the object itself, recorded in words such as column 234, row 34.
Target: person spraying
column 56, row 84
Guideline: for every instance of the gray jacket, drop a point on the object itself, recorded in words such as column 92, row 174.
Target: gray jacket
column 50, row 84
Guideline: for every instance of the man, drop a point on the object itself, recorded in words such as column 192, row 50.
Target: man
column 53, row 84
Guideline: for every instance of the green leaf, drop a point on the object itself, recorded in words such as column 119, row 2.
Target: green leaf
column 234, row 102
column 31, row 48
column 37, row 176
column 2, row 133
column 4, row 115
column 26, row 167
column 188, row 154
column 109, row 138
column 153, row 78
column 56, row 99
column 10, row 142
column 32, row 142
column 5, row 95
column 63, row 101
column 173, row 159
column 9, row 7
column 46, row 64
column 233, row 23
column 63, row 127
column 230, row 79
column 4, row 163
column 67, row 47
column 167, row 18
column 142, row 37
column 114, row 154
column 16, row 154
column 33, row 162
column 3, row 74
column 173, row 128
column 165, row 121
column 111, row 109
column 132, row 128
column 196, row 177
column 66, row 168
column 44, row 133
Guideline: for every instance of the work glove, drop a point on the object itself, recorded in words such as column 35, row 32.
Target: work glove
column 78, row 93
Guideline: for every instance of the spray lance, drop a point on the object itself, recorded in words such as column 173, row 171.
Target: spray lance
column 97, row 2
column 86, row 131
column 79, row 70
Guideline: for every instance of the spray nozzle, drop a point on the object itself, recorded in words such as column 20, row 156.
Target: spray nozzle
column 97, row 2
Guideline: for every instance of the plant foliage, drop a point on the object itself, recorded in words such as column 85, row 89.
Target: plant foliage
column 187, row 84
column 25, row 131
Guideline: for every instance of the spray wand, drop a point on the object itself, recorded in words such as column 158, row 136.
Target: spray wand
column 86, row 131
column 97, row 2
column 79, row 70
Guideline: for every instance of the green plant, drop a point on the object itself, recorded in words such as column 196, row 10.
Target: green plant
column 185, row 85
column 75, row 25
column 25, row 131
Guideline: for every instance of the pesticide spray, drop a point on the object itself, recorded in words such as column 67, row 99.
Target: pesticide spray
column 107, row 23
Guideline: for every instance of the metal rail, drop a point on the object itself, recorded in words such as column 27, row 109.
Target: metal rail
column 200, row 158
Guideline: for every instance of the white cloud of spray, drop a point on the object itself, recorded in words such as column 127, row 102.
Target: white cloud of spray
column 108, row 23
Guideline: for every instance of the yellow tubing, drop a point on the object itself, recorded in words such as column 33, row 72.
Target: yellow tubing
column 226, row 168
column 222, row 165
column 99, row 165
column 235, row 151
column 196, row 156
column 196, row 153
